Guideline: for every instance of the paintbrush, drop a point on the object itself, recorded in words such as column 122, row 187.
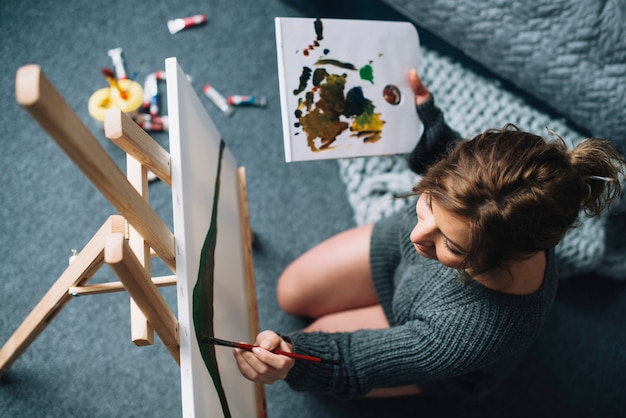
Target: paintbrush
column 249, row 347
column 110, row 76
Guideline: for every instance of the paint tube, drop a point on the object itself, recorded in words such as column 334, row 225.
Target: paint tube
column 218, row 99
column 240, row 100
column 153, row 123
column 73, row 256
column 118, row 63
column 151, row 92
column 154, row 103
column 176, row 25
column 149, row 89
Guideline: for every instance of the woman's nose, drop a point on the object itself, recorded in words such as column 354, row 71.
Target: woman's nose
column 422, row 232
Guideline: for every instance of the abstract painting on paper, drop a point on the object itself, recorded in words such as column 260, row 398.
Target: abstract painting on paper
column 344, row 87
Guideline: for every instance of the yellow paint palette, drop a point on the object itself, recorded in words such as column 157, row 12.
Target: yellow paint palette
column 105, row 98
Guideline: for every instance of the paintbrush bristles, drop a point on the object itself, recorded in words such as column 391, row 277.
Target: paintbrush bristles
column 217, row 341
column 107, row 72
column 110, row 76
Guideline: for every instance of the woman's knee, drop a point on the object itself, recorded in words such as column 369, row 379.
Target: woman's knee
column 323, row 279
column 290, row 294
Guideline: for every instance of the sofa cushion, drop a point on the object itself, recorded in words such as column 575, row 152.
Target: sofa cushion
column 570, row 54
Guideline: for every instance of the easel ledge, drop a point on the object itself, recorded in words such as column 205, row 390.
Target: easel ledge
column 127, row 241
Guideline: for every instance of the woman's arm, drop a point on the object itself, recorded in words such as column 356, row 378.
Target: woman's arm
column 437, row 136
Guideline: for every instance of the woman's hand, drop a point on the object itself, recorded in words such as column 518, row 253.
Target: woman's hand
column 261, row 365
column 422, row 94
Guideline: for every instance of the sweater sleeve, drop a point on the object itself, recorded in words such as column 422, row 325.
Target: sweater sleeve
column 436, row 139
column 367, row 359
column 450, row 341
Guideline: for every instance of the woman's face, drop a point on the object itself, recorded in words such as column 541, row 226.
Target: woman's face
column 440, row 234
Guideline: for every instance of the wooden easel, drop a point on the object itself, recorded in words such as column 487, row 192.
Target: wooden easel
column 127, row 241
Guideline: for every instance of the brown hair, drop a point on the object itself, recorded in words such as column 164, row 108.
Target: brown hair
column 520, row 192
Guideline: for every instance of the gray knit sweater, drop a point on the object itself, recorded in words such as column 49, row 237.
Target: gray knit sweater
column 446, row 336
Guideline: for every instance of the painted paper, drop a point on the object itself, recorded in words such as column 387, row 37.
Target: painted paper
column 344, row 87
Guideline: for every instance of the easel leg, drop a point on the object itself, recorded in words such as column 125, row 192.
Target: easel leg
column 141, row 332
column 247, row 238
column 84, row 266
column 128, row 268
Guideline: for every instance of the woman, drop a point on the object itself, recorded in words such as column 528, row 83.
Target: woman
column 450, row 303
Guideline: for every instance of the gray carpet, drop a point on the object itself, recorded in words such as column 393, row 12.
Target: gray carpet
column 83, row 364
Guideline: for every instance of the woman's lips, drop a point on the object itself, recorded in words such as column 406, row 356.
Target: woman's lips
column 425, row 251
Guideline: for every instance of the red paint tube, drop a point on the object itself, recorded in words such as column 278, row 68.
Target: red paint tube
column 240, row 100
column 176, row 25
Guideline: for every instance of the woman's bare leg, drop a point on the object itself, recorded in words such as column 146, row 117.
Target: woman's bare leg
column 369, row 317
column 333, row 276
column 332, row 283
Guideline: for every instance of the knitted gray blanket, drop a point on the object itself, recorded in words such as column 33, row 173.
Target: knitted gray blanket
column 471, row 104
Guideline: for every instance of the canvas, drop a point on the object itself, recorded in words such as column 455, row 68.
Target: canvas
column 210, row 265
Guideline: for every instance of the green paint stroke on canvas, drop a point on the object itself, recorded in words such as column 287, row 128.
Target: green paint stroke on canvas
column 203, row 295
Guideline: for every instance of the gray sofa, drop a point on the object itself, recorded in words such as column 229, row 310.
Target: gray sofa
column 570, row 54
